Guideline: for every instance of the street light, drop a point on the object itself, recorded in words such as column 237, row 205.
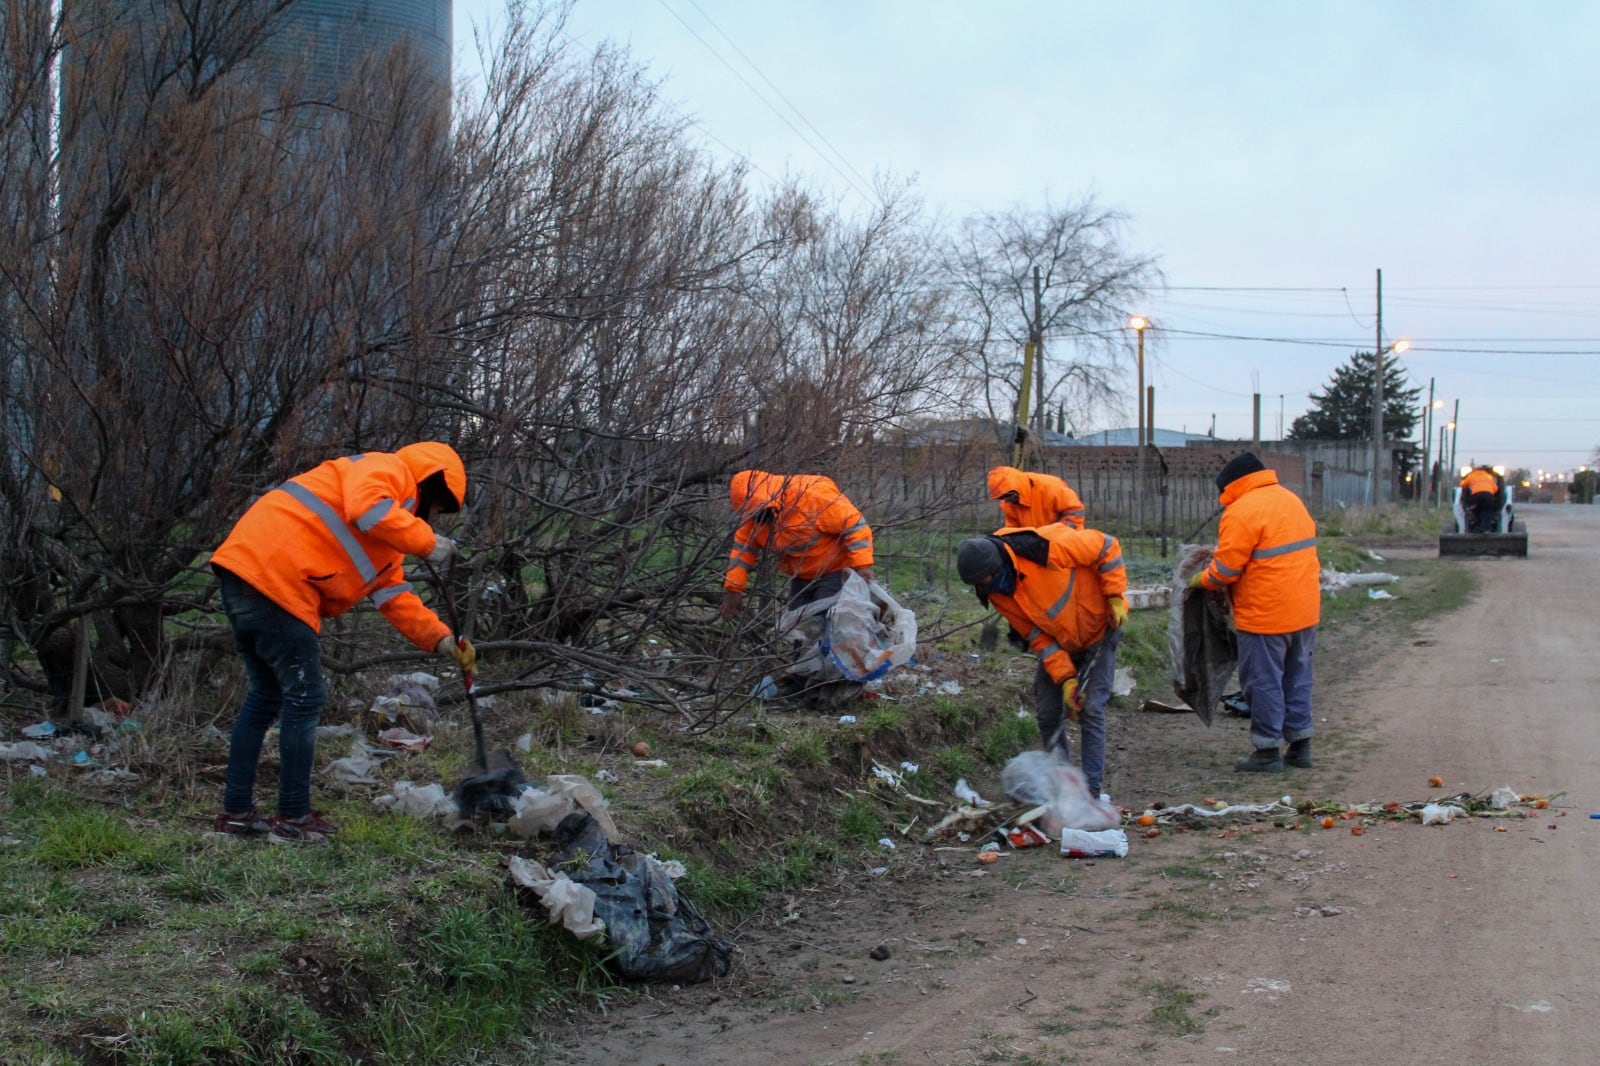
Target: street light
column 1138, row 323
column 1397, row 347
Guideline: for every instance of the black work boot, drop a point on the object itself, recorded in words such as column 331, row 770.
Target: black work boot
column 1261, row 761
column 1299, row 753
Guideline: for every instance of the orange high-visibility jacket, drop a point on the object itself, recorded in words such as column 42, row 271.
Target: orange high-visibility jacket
column 1267, row 550
column 814, row 529
column 1060, row 604
column 1041, row 498
column 322, row 541
column 1479, row 481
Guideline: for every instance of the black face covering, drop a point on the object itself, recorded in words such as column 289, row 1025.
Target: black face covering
column 434, row 493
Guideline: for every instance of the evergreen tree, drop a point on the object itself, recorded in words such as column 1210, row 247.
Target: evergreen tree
column 1343, row 409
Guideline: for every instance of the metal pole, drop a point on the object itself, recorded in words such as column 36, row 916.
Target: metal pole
column 1424, row 490
column 1455, row 431
column 1377, row 403
column 1438, row 488
column 1138, row 401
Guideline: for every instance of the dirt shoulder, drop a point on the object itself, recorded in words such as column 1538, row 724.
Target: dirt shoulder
column 1467, row 942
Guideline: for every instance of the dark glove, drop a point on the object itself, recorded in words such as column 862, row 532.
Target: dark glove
column 732, row 604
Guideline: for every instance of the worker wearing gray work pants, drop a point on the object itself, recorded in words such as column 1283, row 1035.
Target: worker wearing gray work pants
column 1097, row 667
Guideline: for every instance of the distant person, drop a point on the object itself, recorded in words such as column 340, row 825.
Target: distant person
column 1063, row 589
column 1029, row 500
column 1482, row 496
column 311, row 549
column 1267, row 559
column 812, row 528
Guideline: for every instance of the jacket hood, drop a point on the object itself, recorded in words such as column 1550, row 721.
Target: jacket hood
column 431, row 457
column 751, row 490
column 1239, row 486
column 1004, row 479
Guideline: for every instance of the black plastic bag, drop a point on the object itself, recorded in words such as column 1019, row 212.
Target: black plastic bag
column 655, row 934
column 1200, row 639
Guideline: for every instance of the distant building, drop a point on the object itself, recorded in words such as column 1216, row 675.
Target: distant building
column 331, row 39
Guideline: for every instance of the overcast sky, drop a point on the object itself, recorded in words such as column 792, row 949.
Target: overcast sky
column 1273, row 155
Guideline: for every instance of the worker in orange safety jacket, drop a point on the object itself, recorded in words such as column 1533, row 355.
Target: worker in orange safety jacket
column 311, row 549
column 1028, row 500
column 1063, row 590
column 1266, row 557
column 814, row 530
column 1482, row 496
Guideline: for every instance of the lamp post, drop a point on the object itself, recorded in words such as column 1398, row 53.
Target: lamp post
column 1377, row 416
column 1138, row 323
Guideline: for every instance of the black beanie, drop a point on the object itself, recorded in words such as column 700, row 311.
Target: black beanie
column 976, row 559
column 1240, row 465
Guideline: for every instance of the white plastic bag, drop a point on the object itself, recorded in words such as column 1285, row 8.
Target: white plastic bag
column 417, row 801
column 1435, row 813
column 1100, row 844
column 1043, row 777
column 569, row 904
column 540, row 810
column 869, row 633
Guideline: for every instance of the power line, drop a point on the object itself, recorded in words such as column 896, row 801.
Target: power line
column 859, row 190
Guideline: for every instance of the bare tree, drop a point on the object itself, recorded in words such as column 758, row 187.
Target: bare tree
column 1088, row 281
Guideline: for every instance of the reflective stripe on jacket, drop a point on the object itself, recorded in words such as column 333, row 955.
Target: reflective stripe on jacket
column 1267, row 550
column 1479, row 481
column 1041, row 499
column 1059, row 605
column 813, row 529
column 323, row 540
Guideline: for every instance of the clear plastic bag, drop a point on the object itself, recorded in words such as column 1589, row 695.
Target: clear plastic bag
column 1045, row 778
column 858, row 635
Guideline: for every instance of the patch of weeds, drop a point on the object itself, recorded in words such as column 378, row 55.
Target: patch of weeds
column 950, row 763
column 804, row 751
column 1170, row 1014
column 43, row 916
column 859, row 822
column 1007, row 736
column 250, row 1025
column 1185, row 871
column 958, row 719
column 83, row 838
column 1177, row 913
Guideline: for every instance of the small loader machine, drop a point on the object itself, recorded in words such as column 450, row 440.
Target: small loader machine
column 1509, row 537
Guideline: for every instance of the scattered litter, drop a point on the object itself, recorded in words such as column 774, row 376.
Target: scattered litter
column 651, row 762
column 334, row 732
column 886, row 844
column 1094, row 844
column 1317, row 912
column 605, row 777
column 1027, row 836
column 403, row 739
column 81, row 758
column 38, row 771
column 1271, row 986
column 524, row 743
column 885, row 774
column 39, row 731
column 766, row 689
column 878, row 871
column 965, row 794
column 1023, row 712
column 1504, row 798
column 909, row 767
column 409, row 703
column 356, row 768
column 1440, row 814
column 25, row 751
column 1539, row 1007
column 1374, row 556
column 1333, row 580
column 847, row 719
column 1378, row 594
column 417, row 801
column 1122, row 682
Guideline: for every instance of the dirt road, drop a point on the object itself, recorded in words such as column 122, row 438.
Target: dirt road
column 1473, row 942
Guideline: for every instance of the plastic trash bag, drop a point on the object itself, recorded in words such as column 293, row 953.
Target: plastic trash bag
column 654, row 933
column 417, row 801
column 356, row 768
column 1201, row 643
column 858, row 635
column 540, row 809
column 1043, row 777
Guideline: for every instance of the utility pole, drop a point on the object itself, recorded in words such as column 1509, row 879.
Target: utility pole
column 1425, row 489
column 1455, row 428
column 1255, row 422
column 1377, row 403
column 1038, row 353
